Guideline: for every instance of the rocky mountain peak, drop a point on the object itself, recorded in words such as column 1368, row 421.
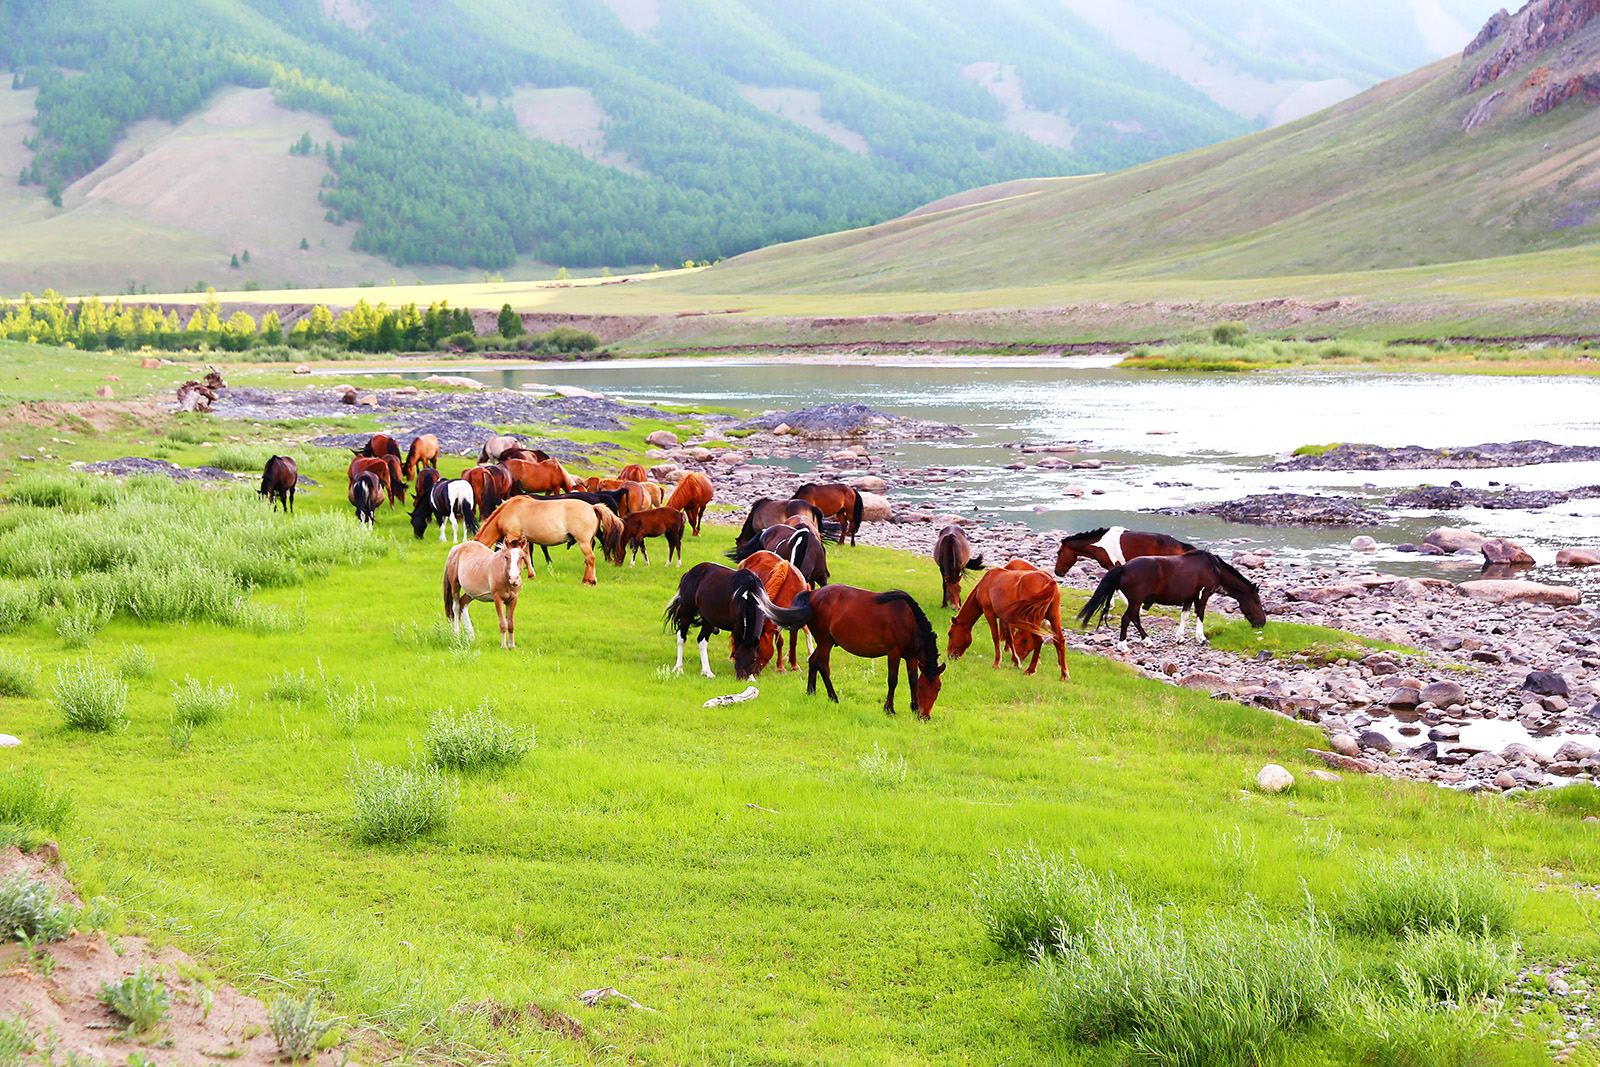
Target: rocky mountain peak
column 1512, row 40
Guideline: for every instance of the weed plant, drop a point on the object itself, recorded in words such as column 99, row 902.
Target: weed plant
column 19, row 604
column 77, row 627
column 476, row 741
column 29, row 911
column 297, row 1027
column 16, row 1040
column 1028, row 899
column 141, row 998
column 395, row 804
column 27, row 799
column 197, row 703
column 135, row 661
column 437, row 636
column 349, row 707
column 1383, row 1029
column 19, row 674
column 881, row 769
column 1318, row 841
column 1447, row 965
column 294, row 686
column 90, row 697
column 1390, row 895
column 1232, row 855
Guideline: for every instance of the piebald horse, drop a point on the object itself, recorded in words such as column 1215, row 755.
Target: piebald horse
column 1112, row 546
column 719, row 598
column 477, row 572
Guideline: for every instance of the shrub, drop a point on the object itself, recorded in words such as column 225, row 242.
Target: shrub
column 476, row 741
column 77, row 627
column 297, row 688
column 19, row 674
column 882, row 769
column 239, row 457
column 437, row 635
column 1393, row 894
column 29, row 910
column 134, row 661
column 197, row 703
column 563, row 339
column 1385, row 1031
column 1445, row 965
column 296, row 1027
column 466, row 340
column 395, row 804
column 141, row 998
column 19, row 605
column 26, row 799
column 1030, row 899
column 1230, row 333
column 349, row 707
column 90, row 697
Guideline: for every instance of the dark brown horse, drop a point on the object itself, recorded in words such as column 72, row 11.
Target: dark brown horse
column 424, row 452
column 719, row 598
column 1113, row 546
column 653, row 522
column 278, row 479
column 767, row 512
column 490, row 487
column 366, row 494
column 397, row 479
column 379, row 468
column 1186, row 581
column 870, row 625
column 379, row 445
column 691, row 496
column 798, row 544
column 837, row 501
column 953, row 553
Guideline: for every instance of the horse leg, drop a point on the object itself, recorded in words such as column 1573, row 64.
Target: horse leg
column 894, row 678
column 1131, row 616
column 645, row 549
column 462, row 614
column 819, row 665
column 705, row 659
column 500, row 617
column 588, row 563
column 994, row 635
column 677, row 668
column 1200, row 617
column 1060, row 635
column 794, row 641
column 1183, row 623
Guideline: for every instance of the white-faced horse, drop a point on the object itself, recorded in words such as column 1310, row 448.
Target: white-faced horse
column 475, row 572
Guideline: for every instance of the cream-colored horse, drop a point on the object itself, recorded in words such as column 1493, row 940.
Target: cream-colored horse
column 477, row 572
column 556, row 522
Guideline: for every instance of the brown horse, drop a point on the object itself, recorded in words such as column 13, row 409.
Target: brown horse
column 1113, row 546
column 424, row 452
column 782, row 583
column 546, row 476
column 555, row 522
column 398, row 485
column 1027, row 606
column 953, row 554
column 719, row 598
column 366, row 496
column 633, row 472
column 799, row 544
column 278, row 479
column 656, row 492
column 866, row 624
column 1187, row 581
column 535, row 454
column 490, row 486
column 377, row 446
column 653, row 522
column 379, row 468
column 838, row 501
column 477, row 572
column 979, row 605
column 691, row 496
column 767, row 512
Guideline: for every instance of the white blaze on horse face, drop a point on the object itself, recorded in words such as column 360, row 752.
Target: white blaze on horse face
column 1111, row 543
column 705, row 660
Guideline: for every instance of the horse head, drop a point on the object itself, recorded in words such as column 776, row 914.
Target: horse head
column 751, row 653
column 1065, row 557
column 1245, row 592
column 959, row 640
column 514, row 552
column 928, row 686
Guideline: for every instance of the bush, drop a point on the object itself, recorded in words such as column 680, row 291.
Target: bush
column 90, row 697
column 475, row 742
column 1406, row 892
column 1230, row 333
column 466, row 340
column 296, row 1027
column 197, row 703
column 29, row 909
column 134, row 661
column 19, row 605
column 1444, row 965
column 562, row 339
column 78, row 626
column 26, row 799
column 19, row 674
column 395, row 804
column 141, row 998
column 1030, row 899
column 297, row 688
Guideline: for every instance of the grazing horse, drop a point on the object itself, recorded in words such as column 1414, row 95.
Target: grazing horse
column 424, row 452
column 691, row 496
column 447, row 500
column 1187, row 581
column 653, row 522
column 378, row 446
column 378, row 468
column 1025, row 605
column 477, row 572
column 397, row 479
column 719, row 598
column 800, row 545
column 656, row 492
column 633, row 472
column 366, row 494
column 767, row 512
column 979, row 606
column 555, row 522
column 953, row 554
column 495, row 447
column 866, row 624
column 782, row 583
column 278, row 479
column 1113, row 546
column 839, row 501
column 536, row 454
column 545, row 476
column 490, row 487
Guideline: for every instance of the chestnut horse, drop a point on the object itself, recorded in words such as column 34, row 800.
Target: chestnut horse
column 477, row 572
column 799, row 544
column 653, row 522
column 545, row 476
column 366, row 494
column 866, row 624
column 839, row 501
column 767, row 512
column 555, row 522
column 1027, row 606
column 424, row 452
column 633, row 472
column 953, row 553
column 691, row 496
column 1113, row 546
column 980, row 605
column 1187, row 581
column 278, row 479
column 783, row 583
column 719, row 598
column 377, row 446
column 490, row 487
column 379, row 468
column 536, row 454
column 397, row 479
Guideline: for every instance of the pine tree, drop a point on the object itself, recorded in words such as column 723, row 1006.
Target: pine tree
column 509, row 323
column 235, row 263
column 305, row 245
column 244, row 257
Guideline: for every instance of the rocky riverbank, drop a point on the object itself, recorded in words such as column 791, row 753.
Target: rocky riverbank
column 1358, row 457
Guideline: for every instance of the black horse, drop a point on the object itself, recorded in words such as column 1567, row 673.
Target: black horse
column 1185, row 581
column 278, row 480
column 719, row 598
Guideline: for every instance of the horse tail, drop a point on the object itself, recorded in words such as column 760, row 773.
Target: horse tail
column 855, row 513
column 975, row 563
column 610, row 531
column 1101, row 600
column 796, row 615
column 744, row 549
column 449, row 605
column 830, row 531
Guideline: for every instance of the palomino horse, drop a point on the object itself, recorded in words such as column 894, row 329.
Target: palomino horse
column 656, row 492
column 800, row 545
column 866, row 624
column 495, row 447
column 379, row 469
column 782, row 583
column 691, row 496
column 633, row 472
column 953, row 553
column 424, row 452
column 449, row 500
column 378, row 446
column 278, row 479
column 719, row 598
column 653, row 522
column 839, row 501
column 366, row 495
column 490, row 486
column 978, row 605
column 1187, row 581
column 541, row 476
column 555, row 522
column 477, row 572
column 1113, row 546
column 767, row 512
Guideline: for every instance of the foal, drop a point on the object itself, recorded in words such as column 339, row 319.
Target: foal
column 473, row 571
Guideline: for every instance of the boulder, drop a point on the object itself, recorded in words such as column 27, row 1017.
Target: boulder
column 1248, row 560
column 1450, row 539
column 700, row 453
column 1409, row 588
column 1506, row 552
column 1517, row 591
column 1273, row 779
column 1363, row 544
column 780, row 429
column 368, row 401
column 660, row 471
column 1578, row 557
column 1205, row 680
column 1443, row 694
column 7, row 741
column 662, row 439
column 844, row 457
column 1445, row 733
column 1094, row 465
column 871, row 483
column 406, row 390
column 1375, row 741
column 455, row 380
column 573, row 392
column 874, row 508
column 1054, row 463
column 1342, row 763
column 1325, row 776
column 1573, row 751
column 1345, row 745
column 105, row 392
column 731, row 458
column 301, row 368
column 1404, row 697
column 1072, row 490
column 151, row 363
column 1546, row 683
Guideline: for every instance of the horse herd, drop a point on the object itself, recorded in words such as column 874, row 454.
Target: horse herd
column 518, row 498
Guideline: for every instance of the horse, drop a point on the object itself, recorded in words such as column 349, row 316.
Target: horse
column 800, row 545
column 633, row 472
column 653, row 522
column 719, row 598
column 366, row 494
column 1023, row 604
column 378, row 446
column 540, row 476
column 866, row 624
column 427, row 478
column 838, row 501
column 278, row 480
column 490, row 487
column 1187, row 581
column 447, row 500
column 767, row 512
column 953, row 554
column 495, row 447
column 555, row 522
column 656, row 492
column 424, row 451
column 379, row 468
column 782, row 583
column 397, row 479
column 1113, row 546
column 691, row 496
column 532, row 454
column 477, row 572
column 978, row 605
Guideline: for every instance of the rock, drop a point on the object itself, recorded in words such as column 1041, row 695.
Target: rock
column 662, row 439
column 151, row 363
column 1363, row 543
column 348, row 398
column 105, row 392
column 1072, row 490
column 1504, row 780
column 1359, row 457
column 1508, row 552
column 1483, row 655
column 7, row 741
column 1428, row 750
column 1444, row 733
column 874, row 508
column 1450, row 539
column 301, row 368
column 1444, row 694
column 573, row 392
column 406, row 390
column 843, row 457
column 1325, row 776
column 1409, row 588
column 368, row 401
column 1094, row 465
column 1565, row 768
column 843, row 422
column 1205, row 680
column 1512, row 590
column 1375, row 741
column 1326, row 594
column 781, row 429
column 660, row 471
column 1287, row 509
column 1054, row 463
column 1404, row 697
column 1274, row 779
column 1248, row 560
column 1342, row 763
column 1546, row 683
column 454, row 379
column 700, row 454
column 730, row 458
column 1578, row 557
column 871, row 483
column 1573, row 751
column 1345, row 744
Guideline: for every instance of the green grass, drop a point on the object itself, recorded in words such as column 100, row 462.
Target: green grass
column 1294, row 639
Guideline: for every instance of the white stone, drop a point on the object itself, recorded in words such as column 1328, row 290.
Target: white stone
column 7, row 741
column 663, row 439
column 1274, row 779
column 1363, row 544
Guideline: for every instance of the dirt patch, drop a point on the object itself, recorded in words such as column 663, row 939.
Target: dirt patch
column 499, row 1015
column 103, row 415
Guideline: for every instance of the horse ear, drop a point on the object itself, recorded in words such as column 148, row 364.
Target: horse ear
column 943, row 667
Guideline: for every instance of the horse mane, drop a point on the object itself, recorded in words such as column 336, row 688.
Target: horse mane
column 687, row 491
column 809, row 485
column 1088, row 535
column 779, row 575
column 927, row 643
column 1225, row 568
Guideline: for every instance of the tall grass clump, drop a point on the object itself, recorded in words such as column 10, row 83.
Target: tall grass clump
column 297, row 1027
column 19, row 674
column 476, row 741
column 1386, row 1030
column 395, row 804
column 1028, row 899
column 197, row 703
column 882, row 769
column 135, row 661
column 29, row 909
column 234, row 456
column 19, row 604
column 1446, row 965
column 26, row 799
column 438, row 636
column 1389, row 895
column 294, row 686
column 78, row 626
column 90, row 697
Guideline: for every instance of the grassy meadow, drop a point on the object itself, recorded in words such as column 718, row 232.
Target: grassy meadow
column 780, row 881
